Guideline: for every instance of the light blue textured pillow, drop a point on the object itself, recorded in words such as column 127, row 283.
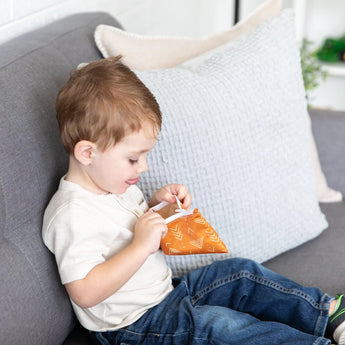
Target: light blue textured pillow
column 235, row 132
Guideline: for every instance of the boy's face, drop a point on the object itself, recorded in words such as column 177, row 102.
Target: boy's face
column 120, row 166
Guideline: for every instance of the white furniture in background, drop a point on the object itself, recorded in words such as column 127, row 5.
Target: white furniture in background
column 316, row 20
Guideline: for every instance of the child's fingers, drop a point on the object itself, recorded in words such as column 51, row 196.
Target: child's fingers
column 179, row 190
column 149, row 229
column 169, row 194
column 153, row 217
column 184, row 196
column 187, row 201
column 165, row 232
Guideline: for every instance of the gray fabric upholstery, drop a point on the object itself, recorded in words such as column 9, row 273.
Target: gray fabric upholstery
column 329, row 131
column 319, row 262
column 34, row 306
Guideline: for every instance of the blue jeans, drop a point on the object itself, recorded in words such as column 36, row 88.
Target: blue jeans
column 235, row 301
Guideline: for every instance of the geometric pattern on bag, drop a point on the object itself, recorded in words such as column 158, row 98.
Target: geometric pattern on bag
column 188, row 232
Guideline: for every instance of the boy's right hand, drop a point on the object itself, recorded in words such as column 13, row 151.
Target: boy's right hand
column 149, row 230
column 109, row 276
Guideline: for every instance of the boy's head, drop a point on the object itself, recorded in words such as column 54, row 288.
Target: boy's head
column 102, row 103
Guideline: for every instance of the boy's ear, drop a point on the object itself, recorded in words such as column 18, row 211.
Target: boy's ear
column 84, row 151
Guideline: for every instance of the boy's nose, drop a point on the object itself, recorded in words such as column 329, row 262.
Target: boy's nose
column 142, row 166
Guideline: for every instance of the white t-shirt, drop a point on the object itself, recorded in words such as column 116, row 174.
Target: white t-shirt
column 84, row 229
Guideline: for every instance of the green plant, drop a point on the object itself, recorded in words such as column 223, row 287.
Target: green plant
column 311, row 68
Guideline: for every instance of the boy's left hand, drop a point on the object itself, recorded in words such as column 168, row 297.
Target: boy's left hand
column 168, row 192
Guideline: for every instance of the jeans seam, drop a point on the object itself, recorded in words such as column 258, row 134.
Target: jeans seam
column 321, row 315
column 263, row 281
column 319, row 341
column 173, row 335
column 155, row 334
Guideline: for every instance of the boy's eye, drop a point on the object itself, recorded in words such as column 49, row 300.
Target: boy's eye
column 133, row 161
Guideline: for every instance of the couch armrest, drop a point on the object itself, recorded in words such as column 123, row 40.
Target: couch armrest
column 329, row 132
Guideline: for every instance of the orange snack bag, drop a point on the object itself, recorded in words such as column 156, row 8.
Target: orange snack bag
column 188, row 231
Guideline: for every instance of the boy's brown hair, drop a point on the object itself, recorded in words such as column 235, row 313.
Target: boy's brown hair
column 103, row 102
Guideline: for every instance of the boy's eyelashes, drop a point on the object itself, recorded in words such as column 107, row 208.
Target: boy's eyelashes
column 135, row 159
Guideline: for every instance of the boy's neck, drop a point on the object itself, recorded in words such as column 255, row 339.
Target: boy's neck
column 78, row 175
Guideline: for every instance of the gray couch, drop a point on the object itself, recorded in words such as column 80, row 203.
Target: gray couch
column 34, row 308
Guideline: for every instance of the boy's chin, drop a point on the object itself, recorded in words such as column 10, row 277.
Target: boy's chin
column 121, row 190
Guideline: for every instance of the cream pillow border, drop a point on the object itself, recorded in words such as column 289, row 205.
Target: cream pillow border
column 142, row 53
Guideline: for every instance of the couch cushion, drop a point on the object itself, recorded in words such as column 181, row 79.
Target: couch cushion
column 330, row 124
column 319, row 262
column 235, row 132
column 34, row 306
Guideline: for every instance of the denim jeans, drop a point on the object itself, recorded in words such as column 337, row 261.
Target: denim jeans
column 235, row 301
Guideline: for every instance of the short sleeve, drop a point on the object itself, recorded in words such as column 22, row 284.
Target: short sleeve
column 79, row 240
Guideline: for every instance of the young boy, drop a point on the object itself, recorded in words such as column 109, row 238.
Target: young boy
column 107, row 246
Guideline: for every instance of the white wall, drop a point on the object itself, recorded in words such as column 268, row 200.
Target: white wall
column 19, row 16
column 175, row 17
column 184, row 17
